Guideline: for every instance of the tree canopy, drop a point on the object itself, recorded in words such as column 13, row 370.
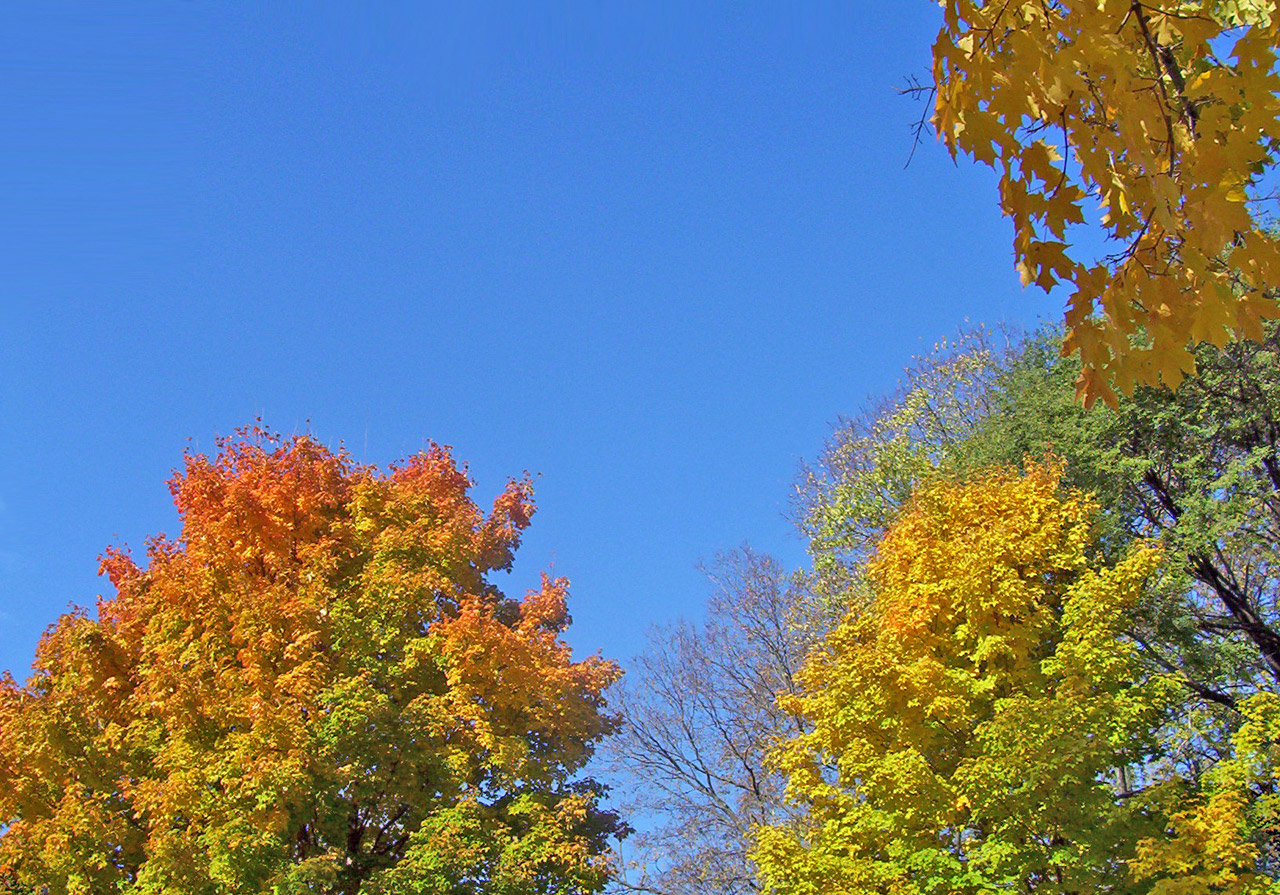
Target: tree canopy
column 982, row 724
column 314, row 687
column 1189, row 474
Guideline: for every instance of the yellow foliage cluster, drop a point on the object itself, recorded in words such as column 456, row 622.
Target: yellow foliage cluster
column 972, row 729
column 1213, row 841
column 1167, row 113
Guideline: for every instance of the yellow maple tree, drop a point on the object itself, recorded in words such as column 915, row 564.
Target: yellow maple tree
column 983, row 723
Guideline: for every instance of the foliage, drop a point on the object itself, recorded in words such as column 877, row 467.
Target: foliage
column 1224, row 841
column 1167, row 113
column 699, row 713
column 1198, row 469
column 875, row 460
column 315, row 688
column 982, row 725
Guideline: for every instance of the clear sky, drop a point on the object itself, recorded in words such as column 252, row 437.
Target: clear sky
column 649, row 253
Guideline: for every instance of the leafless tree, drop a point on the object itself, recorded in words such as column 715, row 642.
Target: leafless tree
column 700, row 713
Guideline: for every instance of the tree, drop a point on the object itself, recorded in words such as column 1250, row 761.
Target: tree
column 1223, row 841
column 314, row 688
column 1199, row 470
column 699, row 712
column 982, row 724
column 1166, row 112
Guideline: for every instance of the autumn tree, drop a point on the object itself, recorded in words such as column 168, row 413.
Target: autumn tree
column 315, row 687
column 1166, row 113
column 982, row 724
column 699, row 712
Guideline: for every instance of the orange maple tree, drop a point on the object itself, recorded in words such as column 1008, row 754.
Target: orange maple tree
column 314, row 688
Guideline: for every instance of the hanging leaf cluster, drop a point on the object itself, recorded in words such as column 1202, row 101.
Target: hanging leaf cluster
column 1162, row 114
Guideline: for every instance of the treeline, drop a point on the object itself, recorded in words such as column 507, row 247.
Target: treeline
column 1036, row 651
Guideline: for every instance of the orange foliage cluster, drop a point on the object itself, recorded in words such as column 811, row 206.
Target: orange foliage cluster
column 315, row 687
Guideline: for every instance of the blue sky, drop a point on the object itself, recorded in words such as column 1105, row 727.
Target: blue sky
column 648, row 253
